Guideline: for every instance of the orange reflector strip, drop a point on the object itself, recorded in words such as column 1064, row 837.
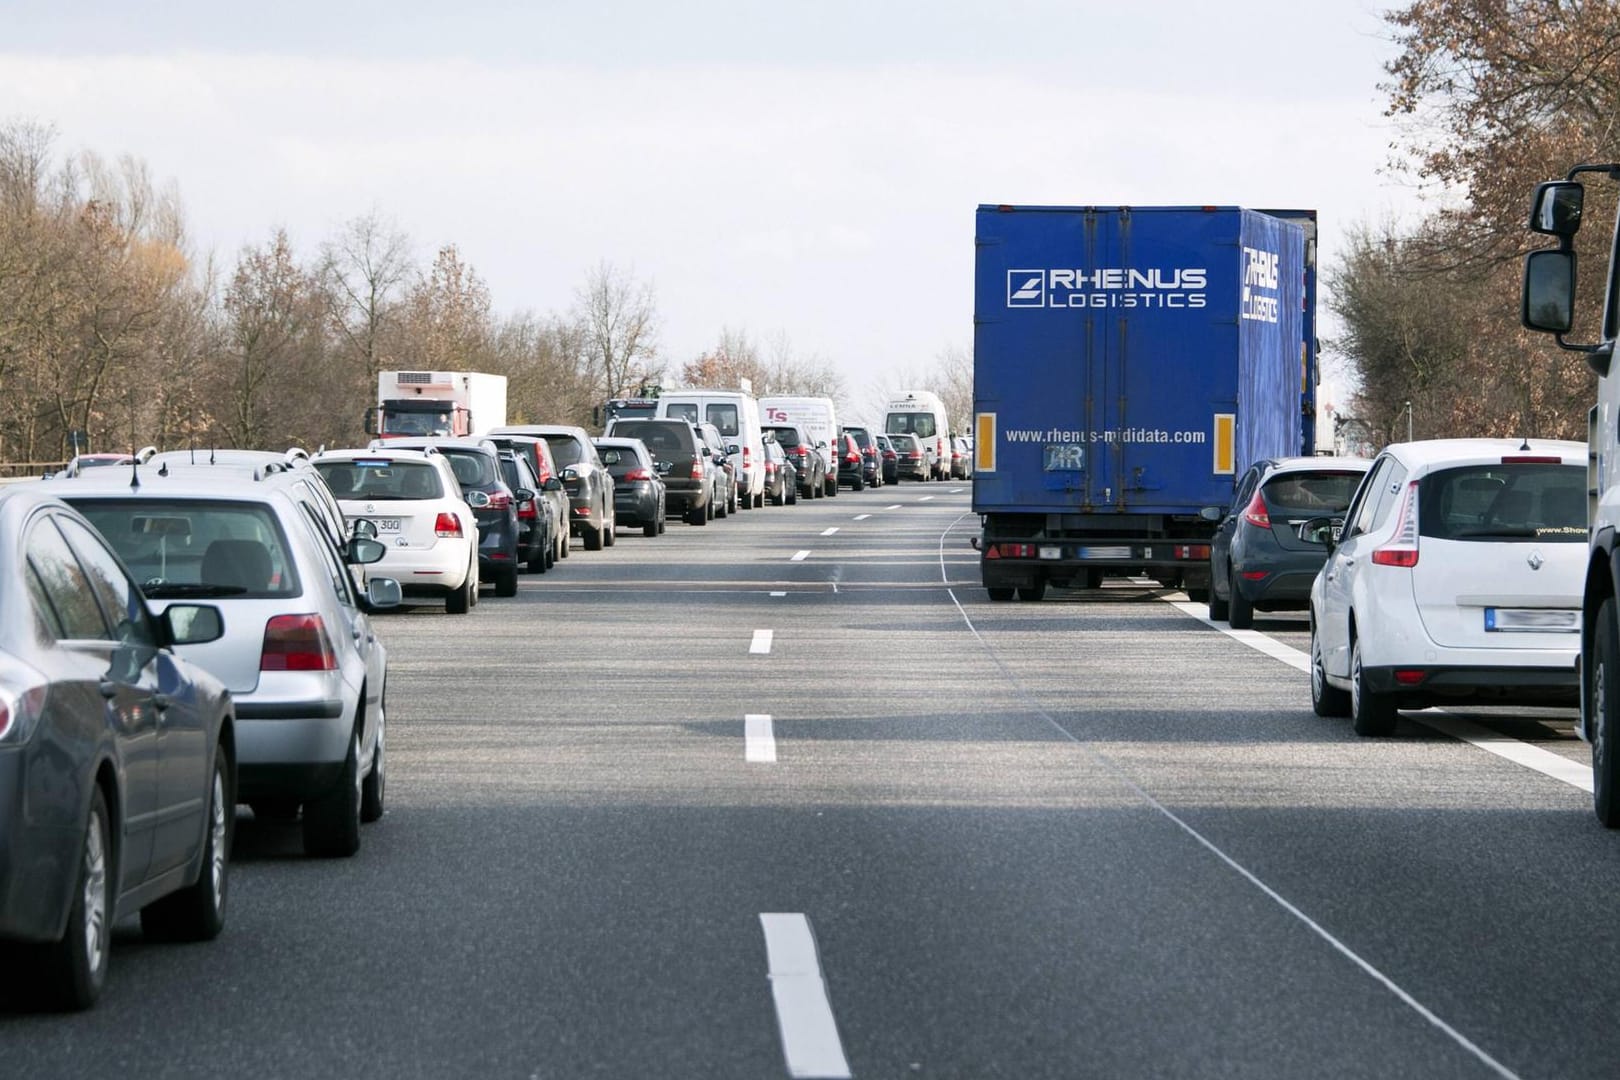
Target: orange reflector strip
column 984, row 442
column 1225, row 444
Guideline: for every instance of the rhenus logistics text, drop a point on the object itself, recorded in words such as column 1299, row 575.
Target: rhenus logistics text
column 1108, row 287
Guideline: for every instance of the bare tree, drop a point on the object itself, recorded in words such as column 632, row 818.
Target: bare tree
column 364, row 270
column 620, row 319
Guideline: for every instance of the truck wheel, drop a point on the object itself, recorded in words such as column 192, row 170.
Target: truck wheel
column 999, row 593
column 1241, row 608
column 1032, row 592
column 1370, row 713
column 1603, row 700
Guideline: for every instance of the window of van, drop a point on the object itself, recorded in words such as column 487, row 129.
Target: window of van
column 678, row 411
column 723, row 415
column 920, row 424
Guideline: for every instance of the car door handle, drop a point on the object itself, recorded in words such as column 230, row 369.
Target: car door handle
column 1348, row 562
column 108, row 688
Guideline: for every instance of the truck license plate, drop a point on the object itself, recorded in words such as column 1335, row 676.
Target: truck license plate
column 1533, row 620
column 1105, row 552
column 1051, row 553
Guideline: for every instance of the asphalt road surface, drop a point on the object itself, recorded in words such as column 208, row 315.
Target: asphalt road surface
column 765, row 799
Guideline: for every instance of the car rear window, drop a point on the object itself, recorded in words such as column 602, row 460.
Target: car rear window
column 663, row 439
column 178, row 548
column 786, row 436
column 1505, row 502
column 1311, row 492
column 565, row 450
column 381, row 478
column 473, row 468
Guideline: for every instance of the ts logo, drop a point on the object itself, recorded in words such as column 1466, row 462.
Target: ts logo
column 1026, row 288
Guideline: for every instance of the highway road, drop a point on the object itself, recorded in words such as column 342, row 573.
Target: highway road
column 787, row 795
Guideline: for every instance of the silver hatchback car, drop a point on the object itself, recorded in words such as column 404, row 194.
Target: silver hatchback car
column 299, row 654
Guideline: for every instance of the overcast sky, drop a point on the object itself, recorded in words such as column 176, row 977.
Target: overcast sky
column 808, row 169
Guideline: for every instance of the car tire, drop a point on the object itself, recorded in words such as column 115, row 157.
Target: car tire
column 1032, row 592
column 1371, row 714
column 460, row 601
column 1326, row 699
column 731, row 507
column 792, row 497
column 650, row 529
column 859, row 484
column 832, row 487
column 374, row 789
column 74, row 968
column 759, row 500
column 197, row 912
column 1218, row 607
column 663, row 521
column 610, row 529
column 1603, row 701
column 698, row 515
column 332, row 821
column 506, row 580
column 537, row 563
column 720, row 510
column 1000, row 593
column 565, row 546
column 1240, row 607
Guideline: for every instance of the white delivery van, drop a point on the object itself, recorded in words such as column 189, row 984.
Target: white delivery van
column 819, row 419
column 921, row 413
column 736, row 414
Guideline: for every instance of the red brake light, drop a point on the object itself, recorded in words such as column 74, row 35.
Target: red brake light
column 499, row 500
column 1402, row 550
column 526, row 510
column 447, row 525
column 638, row 474
column 697, row 468
column 1521, row 460
column 296, row 643
column 1257, row 513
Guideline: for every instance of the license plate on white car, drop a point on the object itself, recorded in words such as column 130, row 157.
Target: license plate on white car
column 1533, row 620
column 387, row 524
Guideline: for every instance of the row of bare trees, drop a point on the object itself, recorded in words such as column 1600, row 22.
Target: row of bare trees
column 1489, row 98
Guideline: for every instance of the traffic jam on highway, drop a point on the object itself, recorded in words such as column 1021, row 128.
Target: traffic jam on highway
column 201, row 646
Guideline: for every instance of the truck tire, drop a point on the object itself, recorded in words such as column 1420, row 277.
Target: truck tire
column 1032, row 592
column 1000, row 593
column 1602, row 702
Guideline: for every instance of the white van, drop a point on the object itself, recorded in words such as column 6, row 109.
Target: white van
column 736, row 414
column 819, row 419
column 921, row 413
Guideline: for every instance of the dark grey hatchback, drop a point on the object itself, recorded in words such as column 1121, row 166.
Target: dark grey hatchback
column 1257, row 559
column 117, row 757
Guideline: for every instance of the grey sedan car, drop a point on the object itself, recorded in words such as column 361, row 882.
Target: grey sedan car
column 1258, row 561
column 117, row 756
column 300, row 656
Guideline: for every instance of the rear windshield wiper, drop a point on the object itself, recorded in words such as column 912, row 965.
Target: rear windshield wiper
column 169, row 590
column 1511, row 531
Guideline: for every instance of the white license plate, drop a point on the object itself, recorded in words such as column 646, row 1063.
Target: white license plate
column 1051, row 553
column 1533, row 620
column 1105, row 553
column 387, row 524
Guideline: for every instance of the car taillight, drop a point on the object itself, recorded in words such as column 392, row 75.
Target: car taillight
column 637, row 474
column 297, row 643
column 697, row 468
column 853, row 458
column 500, row 500
column 748, row 456
column 447, row 525
column 1402, row 549
column 20, row 713
column 526, row 511
column 1256, row 513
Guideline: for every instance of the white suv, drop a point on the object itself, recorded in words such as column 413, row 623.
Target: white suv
column 415, row 501
column 1457, row 577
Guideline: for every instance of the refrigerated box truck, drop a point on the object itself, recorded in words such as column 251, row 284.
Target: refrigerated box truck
column 1128, row 364
column 455, row 403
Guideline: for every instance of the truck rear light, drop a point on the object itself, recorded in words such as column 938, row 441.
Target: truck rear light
column 1010, row 551
column 1402, row 549
column 297, row 643
column 1257, row 513
column 1199, row 552
column 447, row 525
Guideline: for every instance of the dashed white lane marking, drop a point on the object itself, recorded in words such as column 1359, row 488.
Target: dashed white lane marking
column 925, row 498
column 1522, row 753
column 761, row 645
column 799, row 556
column 862, row 517
column 829, row 532
column 810, row 1042
column 896, row 506
column 778, row 594
column 957, row 491
column 759, row 740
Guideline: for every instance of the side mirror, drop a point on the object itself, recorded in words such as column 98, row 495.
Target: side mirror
column 363, row 551
column 477, row 500
column 553, row 484
column 370, row 424
column 383, row 593
column 193, row 624
column 523, row 495
column 1555, row 209
column 1548, row 299
column 570, row 473
column 733, row 448
column 364, row 529
column 1212, row 513
column 1321, row 530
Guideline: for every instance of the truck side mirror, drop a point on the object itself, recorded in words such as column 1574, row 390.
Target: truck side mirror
column 1548, row 299
column 1555, row 209
column 371, row 421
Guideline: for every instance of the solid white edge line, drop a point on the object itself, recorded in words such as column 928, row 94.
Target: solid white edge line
column 761, row 645
column 799, row 556
column 810, row 1043
column 759, row 739
column 829, row 532
column 1517, row 751
column 862, row 517
column 1125, row 778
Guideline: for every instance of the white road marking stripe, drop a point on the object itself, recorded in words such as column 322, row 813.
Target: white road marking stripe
column 799, row 556
column 957, row 491
column 761, row 645
column 925, row 498
column 1522, row 753
column 759, row 741
column 896, row 506
column 829, row 532
column 778, row 594
column 810, row 1042
column 862, row 517
column 1208, row 845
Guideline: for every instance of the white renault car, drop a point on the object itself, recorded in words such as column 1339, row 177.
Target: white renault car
column 414, row 499
column 1456, row 578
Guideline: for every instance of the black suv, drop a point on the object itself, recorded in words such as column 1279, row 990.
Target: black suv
column 801, row 450
column 589, row 487
column 535, row 544
column 683, row 461
column 638, row 490
column 871, row 456
column 477, row 465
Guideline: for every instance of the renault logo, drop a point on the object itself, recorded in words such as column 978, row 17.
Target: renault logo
column 1535, row 560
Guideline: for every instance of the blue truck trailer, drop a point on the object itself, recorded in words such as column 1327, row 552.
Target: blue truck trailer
column 1128, row 364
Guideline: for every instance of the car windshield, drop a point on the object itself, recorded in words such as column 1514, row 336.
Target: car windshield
column 381, row 479
column 1516, row 501
column 1312, row 492
column 416, row 423
column 195, row 548
column 914, row 423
